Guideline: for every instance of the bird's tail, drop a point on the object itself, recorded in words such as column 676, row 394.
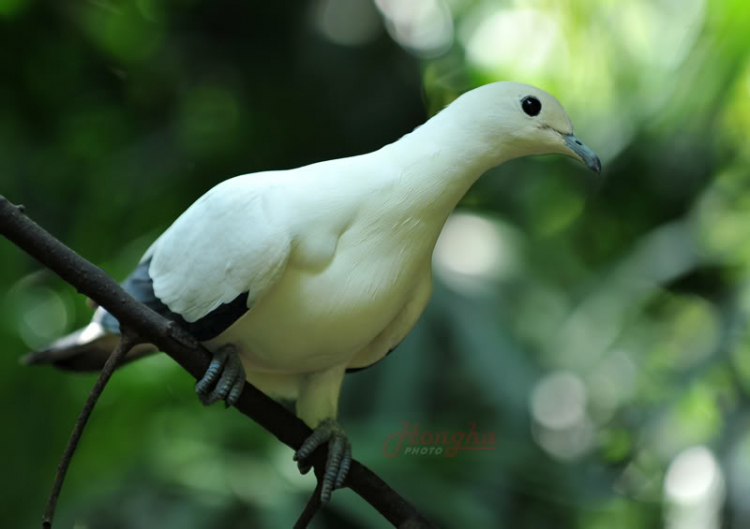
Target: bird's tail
column 84, row 350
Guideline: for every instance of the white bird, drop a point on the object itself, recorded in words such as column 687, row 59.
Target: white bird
column 291, row 278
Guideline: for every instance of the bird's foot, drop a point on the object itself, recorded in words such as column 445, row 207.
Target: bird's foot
column 224, row 378
column 339, row 456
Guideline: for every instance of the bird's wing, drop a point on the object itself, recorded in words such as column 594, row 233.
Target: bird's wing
column 232, row 241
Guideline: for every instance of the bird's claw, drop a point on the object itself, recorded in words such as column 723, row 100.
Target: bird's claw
column 224, row 378
column 339, row 456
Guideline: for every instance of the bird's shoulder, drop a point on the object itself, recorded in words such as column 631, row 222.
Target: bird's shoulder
column 231, row 241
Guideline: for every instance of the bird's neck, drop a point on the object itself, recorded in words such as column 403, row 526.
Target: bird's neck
column 440, row 161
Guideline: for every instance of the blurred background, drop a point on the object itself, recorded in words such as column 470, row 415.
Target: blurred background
column 596, row 326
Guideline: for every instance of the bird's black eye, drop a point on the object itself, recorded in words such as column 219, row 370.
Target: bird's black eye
column 531, row 105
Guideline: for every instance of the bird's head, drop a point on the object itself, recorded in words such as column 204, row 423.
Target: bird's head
column 525, row 120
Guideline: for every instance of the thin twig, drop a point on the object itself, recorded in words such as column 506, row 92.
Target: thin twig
column 127, row 342
column 312, row 507
column 93, row 282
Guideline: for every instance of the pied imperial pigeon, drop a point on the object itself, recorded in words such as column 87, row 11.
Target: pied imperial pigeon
column 292, row 278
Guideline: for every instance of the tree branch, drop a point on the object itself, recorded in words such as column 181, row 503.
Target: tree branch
column 312, row 507
column 93, row 282
column 127, row 342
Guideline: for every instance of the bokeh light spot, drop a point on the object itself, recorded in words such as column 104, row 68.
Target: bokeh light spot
column 558, row 406
column 42, row 314
column 472, row 250
column 694, row 488
column 524, row 41
column 424, row 27
column 347, row 22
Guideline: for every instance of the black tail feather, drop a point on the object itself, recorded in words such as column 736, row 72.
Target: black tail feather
column 70, row 353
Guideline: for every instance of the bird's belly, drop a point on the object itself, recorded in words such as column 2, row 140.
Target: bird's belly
column 313, row 321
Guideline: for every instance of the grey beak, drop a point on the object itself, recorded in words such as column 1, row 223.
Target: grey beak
column 586, row 155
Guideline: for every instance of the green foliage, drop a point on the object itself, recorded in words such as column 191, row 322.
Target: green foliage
column 597, row 327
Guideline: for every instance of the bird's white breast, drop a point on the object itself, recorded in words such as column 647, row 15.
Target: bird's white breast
column 312, row 320
column 358, row 253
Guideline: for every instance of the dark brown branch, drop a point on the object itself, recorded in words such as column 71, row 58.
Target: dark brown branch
column 194, row 358
column 126, row 343
column 312, row 507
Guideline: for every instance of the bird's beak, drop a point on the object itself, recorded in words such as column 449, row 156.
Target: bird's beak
column 582, row 152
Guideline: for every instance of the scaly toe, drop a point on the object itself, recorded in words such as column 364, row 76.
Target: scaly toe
column 346, row 463
column 339, row 457
column 215, row 368
column 319, row 436
column 224, row 378
column 236, row 391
